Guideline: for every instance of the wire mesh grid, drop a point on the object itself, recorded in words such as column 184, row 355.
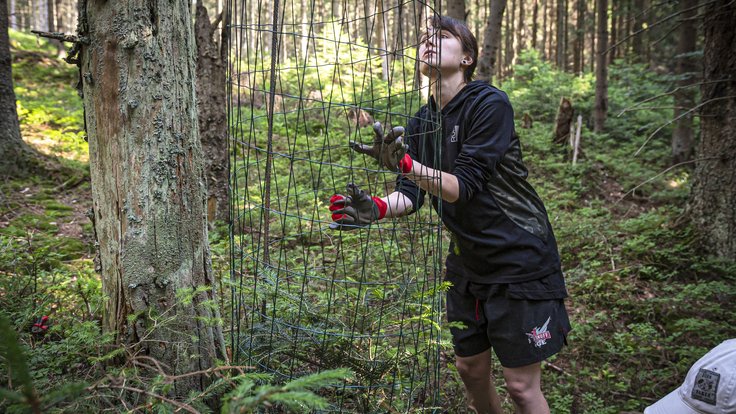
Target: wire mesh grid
column 305, row 78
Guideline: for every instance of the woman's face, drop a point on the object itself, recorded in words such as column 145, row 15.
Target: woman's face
column 440, row 50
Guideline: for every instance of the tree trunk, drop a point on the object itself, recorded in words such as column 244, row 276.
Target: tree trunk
column 509, row 49
column 614, row 30
column 579, row 47
column 601, row 69
column 535, row 23
column 683, row 136
column 713, row 197
column 456, row 9
column 148, row 187
column 552, row 42
column 491, row 41
column 16, row 158
column 545, row 30
column 560, row 36
column 212, row 104
column 638, row 39
column 382, row 46
column 50, row 26
column 625, row 10
column 593, row 17
column 521, row 29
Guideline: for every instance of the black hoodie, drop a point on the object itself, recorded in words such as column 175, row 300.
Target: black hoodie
column 499, row 226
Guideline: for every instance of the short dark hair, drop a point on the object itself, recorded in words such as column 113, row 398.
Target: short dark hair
column 460, row 30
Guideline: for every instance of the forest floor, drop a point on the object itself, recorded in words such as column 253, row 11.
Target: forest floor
column 644, row 303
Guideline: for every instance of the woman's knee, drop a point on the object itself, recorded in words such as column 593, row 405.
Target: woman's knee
column 520, row 391
column 472, row 370
column 523, row 384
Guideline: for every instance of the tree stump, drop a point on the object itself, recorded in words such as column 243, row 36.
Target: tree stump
column 563, row 121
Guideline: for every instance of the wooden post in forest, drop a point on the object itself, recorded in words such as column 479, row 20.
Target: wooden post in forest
column 576, row 141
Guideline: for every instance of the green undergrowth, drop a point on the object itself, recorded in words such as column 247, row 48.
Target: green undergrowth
column 645, row 302
column 49, row 108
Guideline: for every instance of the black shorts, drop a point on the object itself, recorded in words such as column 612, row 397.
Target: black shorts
column 524, row 323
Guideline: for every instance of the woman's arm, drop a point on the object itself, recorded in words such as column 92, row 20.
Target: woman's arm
column 435, row 182
column 398, row 205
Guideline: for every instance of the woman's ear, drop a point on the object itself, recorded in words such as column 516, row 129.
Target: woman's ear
column 467, row 60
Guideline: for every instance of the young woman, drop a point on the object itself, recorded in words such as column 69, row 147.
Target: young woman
column 508, row 288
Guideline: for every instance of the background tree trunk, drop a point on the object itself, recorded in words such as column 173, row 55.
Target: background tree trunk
column 16, row 158
column 508, row 50
column 683, row 134
column 638, row 40
column 521, row 29
column 212, row 105
column 601, row 69
column 535, row 23
column 381, row 43
column 545, row 30
column 560, row 36
column 491, row 41
column 147, row 176
column 456, row 9
column 615, row 18
column 713, row 197
column 593, row 27
column 579, row 45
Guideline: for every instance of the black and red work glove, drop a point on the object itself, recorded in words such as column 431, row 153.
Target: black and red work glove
column 41, row 326
column 356, row 209
column 389, row 150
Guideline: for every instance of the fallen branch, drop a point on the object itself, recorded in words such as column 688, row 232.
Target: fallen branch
column 556, row 368
column 680, row 116
column 662, row 173
column 57, row 36
column 181, row 406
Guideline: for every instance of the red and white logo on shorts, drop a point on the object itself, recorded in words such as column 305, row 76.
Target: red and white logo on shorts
column 539, row 336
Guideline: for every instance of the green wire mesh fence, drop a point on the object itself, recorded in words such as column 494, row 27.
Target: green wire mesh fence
column 305, row 78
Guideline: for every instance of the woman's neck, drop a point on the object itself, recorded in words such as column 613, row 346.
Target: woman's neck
column 447, row 87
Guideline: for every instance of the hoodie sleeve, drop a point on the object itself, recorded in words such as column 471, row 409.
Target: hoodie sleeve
column 404, row 185
column 490, row 127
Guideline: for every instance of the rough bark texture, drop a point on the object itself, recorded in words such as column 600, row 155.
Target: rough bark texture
column 601, row 68
column 15, row 155
column 563, row 122
column 535, row 23
column 545, row 30
column 212, row 107
column 491, row 41
column 456, row 9
column 613, row 34
column 148, row 186
column 560, row 35
column 683, row 135
column 638, row 40
column 579, row 45
column 508, row 52
column 521, row 29
column 713, row 197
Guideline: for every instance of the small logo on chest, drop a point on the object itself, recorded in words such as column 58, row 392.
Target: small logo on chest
column 455, row 133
